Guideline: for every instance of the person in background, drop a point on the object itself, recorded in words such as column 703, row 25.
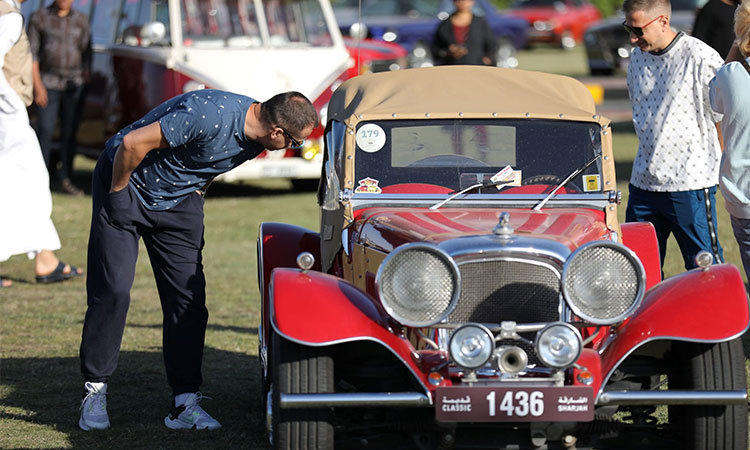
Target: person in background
column 713, row 25
column 149, row 182
column 676, row 170
column 25, row 223
column 61, row 49
column 464, row 38
column 730, row 96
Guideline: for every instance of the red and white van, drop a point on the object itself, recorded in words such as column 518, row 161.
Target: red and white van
column 146, row 51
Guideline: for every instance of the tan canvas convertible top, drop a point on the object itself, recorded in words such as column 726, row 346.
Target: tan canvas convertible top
column 446, row 92
column 468, row 91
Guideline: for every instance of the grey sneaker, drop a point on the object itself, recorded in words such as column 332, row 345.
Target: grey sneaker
column 94, row 407
column 191, row 415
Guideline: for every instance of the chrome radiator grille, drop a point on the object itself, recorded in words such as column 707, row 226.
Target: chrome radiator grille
column 496, row 291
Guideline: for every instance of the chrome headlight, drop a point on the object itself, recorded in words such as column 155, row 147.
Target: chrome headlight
column 420, row 56
column 471, row 346
column 558, row 345
column 358, row 30
column 418, row 284
column 603, row 282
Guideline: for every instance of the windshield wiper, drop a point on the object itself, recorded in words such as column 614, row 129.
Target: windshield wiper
column 566, row 181
column 482, row 185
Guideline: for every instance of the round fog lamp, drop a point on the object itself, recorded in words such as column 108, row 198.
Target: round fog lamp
column 471, row 346
column 558, row 345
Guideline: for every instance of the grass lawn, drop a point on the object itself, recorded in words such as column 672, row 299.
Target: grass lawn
column 40, row 328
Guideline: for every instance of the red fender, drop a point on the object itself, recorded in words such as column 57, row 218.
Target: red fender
column 590, row 362
column 641, row 238
column 318, row 309
column 278, row 246
column 702, row 306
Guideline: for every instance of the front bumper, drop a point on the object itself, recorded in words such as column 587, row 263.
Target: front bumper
column 418, row 399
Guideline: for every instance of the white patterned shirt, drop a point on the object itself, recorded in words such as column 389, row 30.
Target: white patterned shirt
column 678, row 146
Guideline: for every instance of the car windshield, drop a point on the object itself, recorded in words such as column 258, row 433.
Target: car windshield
column 457, row 154
column 235, row 23
column 411, row 8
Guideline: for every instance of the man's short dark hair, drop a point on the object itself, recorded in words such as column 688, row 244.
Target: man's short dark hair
column 291, row 111
column 661, row 6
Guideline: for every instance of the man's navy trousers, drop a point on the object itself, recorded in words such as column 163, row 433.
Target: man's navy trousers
column 174, row 240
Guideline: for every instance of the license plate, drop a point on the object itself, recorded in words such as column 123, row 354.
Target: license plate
column 281, row 172
column 514, row 404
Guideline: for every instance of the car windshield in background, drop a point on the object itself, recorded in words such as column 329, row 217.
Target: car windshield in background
column 413, row 8
column 457, row 154
column 234, row 23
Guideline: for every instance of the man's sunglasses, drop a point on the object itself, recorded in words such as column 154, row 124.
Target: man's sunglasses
column 638, row 31
column 296, row 145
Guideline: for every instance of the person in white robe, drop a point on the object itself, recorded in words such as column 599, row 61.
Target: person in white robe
column 25, row 201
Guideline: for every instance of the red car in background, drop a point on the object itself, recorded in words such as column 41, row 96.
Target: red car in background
column 370, row 56
column 556, row 21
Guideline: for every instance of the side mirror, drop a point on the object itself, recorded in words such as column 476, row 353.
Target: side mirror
column 153, row 33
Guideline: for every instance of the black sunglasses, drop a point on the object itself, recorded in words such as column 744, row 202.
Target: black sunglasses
column 638, row 31
column 296, row 145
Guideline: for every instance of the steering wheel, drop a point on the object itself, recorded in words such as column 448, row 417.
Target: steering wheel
column 552, row 180
column 448, row 161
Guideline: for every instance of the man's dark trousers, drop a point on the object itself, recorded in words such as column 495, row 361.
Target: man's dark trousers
column 174, row 240
column 67, row 105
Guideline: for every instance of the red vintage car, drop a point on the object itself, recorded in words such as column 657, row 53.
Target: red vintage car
column 556, row 21
column 470, row 285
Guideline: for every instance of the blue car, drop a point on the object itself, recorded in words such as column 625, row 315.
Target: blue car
column 412, row 23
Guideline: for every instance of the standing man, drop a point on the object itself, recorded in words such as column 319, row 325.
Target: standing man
column 714, row 25
column 149, row 182
column 61, row 48
column 676, row 170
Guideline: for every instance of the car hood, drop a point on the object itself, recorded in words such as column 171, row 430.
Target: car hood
column 385, row 229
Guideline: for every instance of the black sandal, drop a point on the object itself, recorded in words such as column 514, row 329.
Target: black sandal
column 58, row 274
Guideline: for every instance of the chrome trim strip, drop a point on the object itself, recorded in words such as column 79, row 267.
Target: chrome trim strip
column 370, row 399
column 355, row 339
column 358, row 196
column 359, row 201
column 661, row 338
column 672, row 397
column 262, row 344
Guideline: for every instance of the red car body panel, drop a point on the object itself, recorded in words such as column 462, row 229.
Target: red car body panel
column 668, row 311
column 641, row 238
column 278, row 246
column 320, row 309
column 387, row 228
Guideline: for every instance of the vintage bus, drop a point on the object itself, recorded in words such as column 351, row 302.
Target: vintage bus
column 146, row 51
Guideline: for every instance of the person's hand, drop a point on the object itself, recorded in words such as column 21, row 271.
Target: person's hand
column 40, row 96
column 457, row 51
column 486, row 61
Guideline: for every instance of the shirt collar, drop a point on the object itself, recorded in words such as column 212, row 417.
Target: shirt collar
column 671, row 44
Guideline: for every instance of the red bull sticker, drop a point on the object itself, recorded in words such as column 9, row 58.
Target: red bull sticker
column 368, row 186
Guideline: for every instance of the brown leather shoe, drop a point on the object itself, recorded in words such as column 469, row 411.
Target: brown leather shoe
column 69, row 188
